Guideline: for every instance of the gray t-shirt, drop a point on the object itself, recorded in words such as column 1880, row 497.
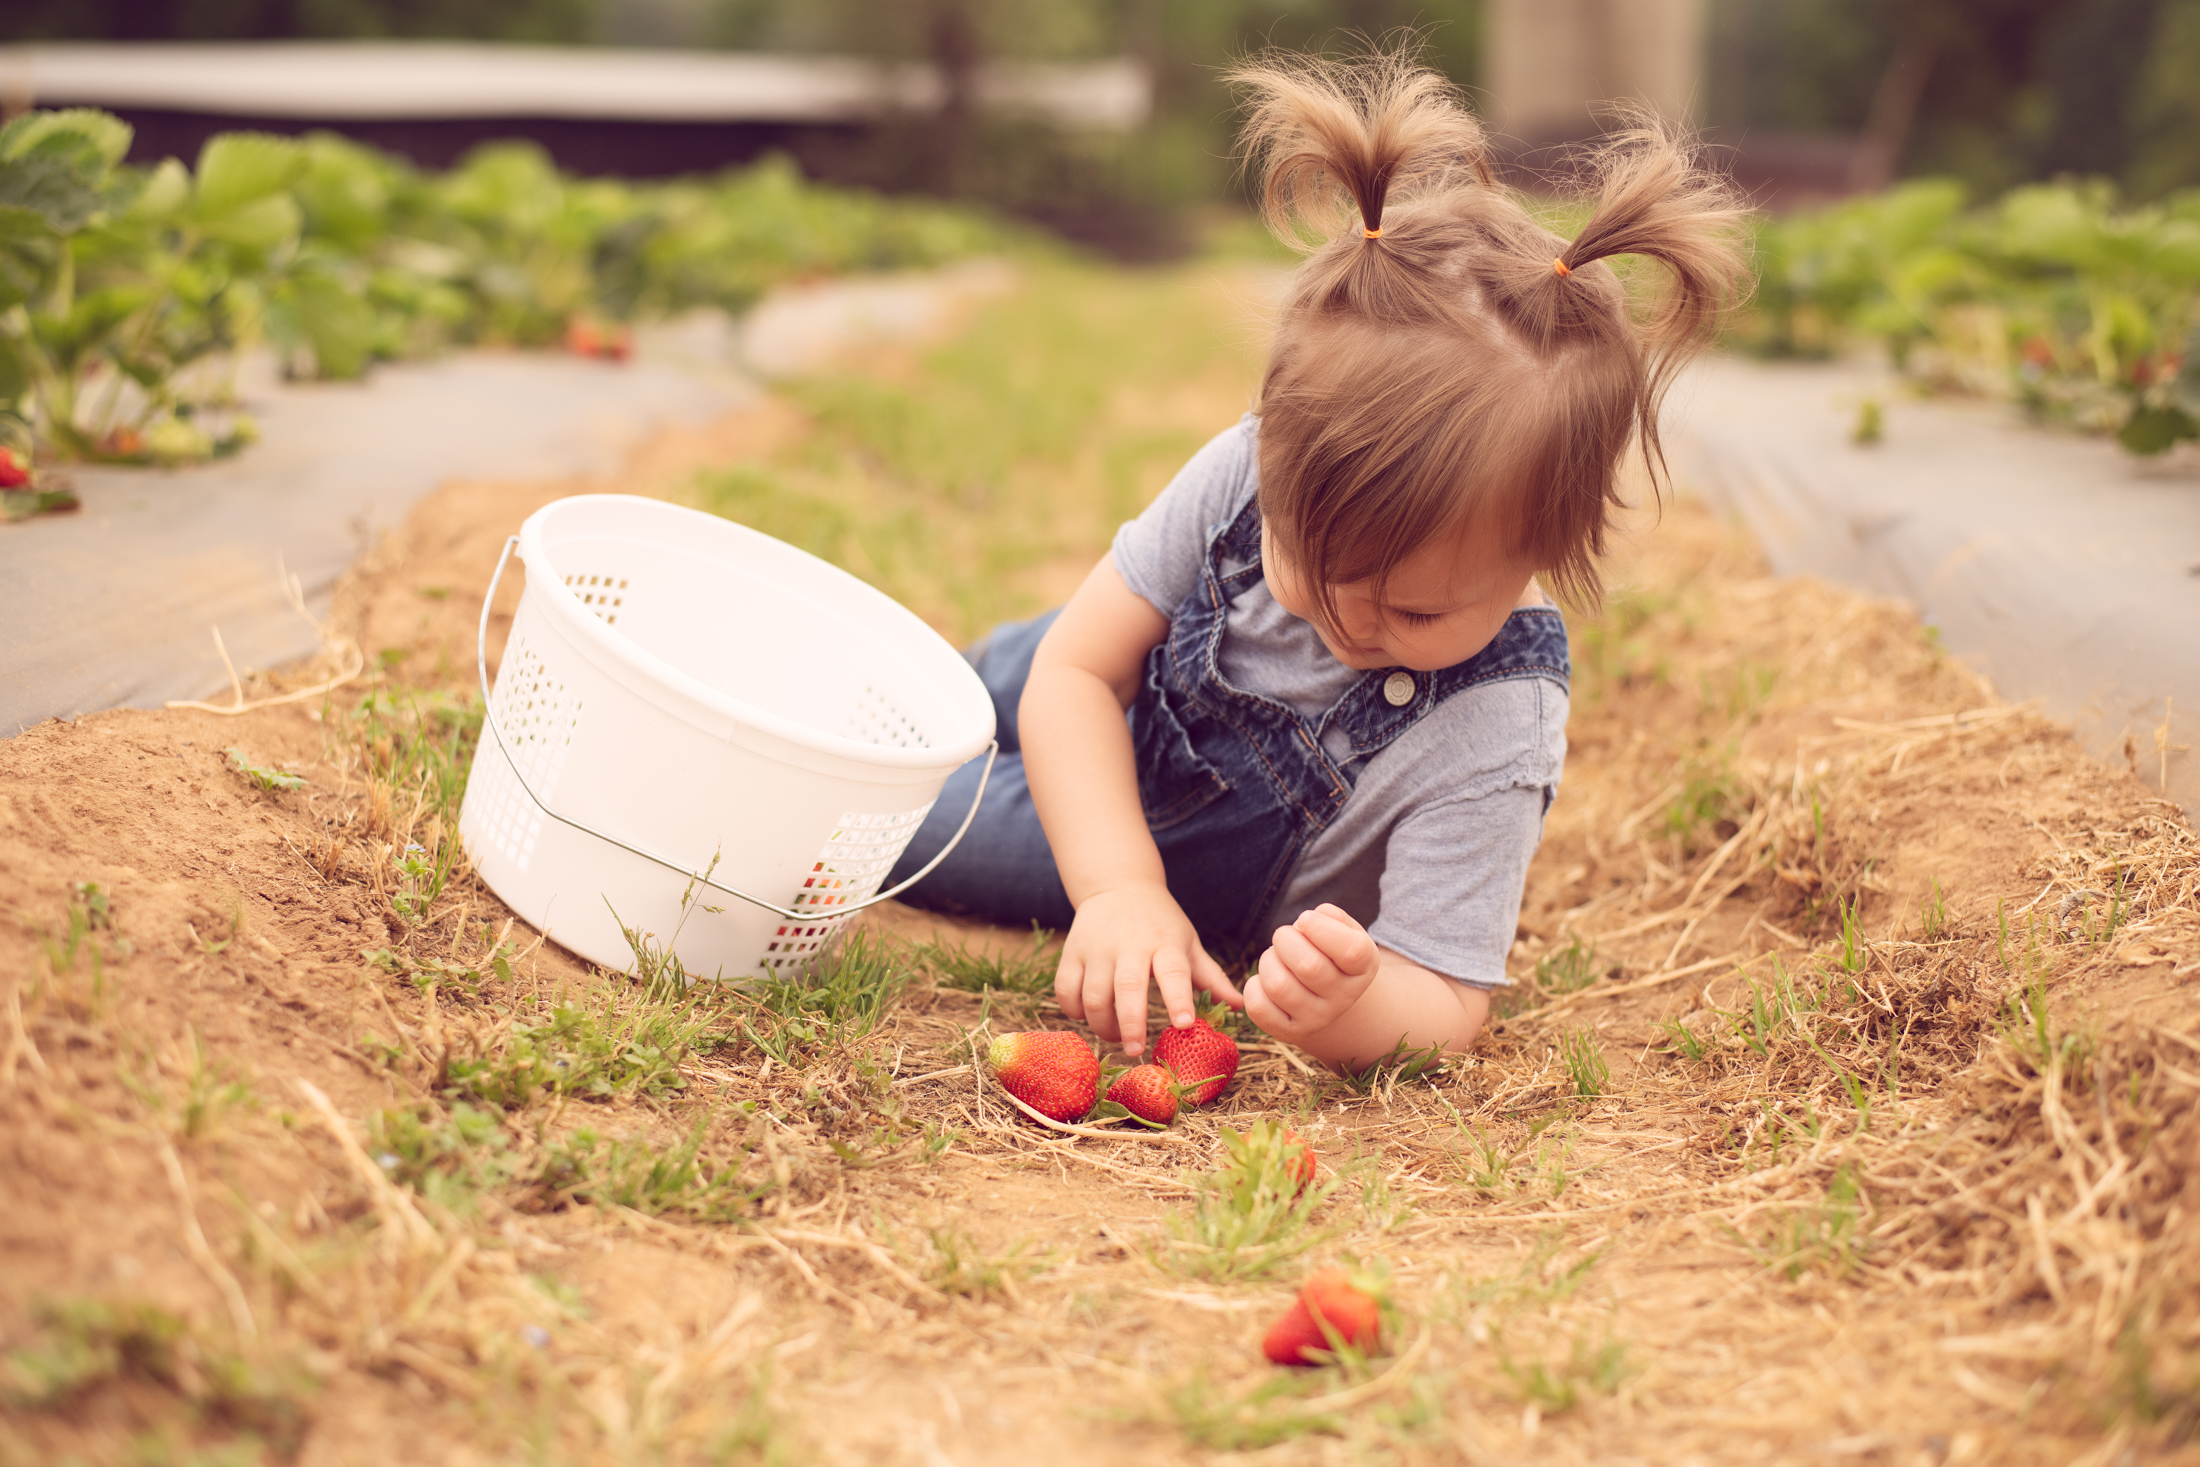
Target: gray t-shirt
column 1431, row 851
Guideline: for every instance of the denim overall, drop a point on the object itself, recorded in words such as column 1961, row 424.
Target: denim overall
column 1234, row 784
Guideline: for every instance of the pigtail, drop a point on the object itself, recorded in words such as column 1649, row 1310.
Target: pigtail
column 1653, row 198
column 1335, row 146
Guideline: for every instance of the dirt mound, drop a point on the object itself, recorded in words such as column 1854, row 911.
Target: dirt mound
column 1846, row 1106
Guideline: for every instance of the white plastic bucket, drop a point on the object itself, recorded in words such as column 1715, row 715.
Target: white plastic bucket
column 680, row 690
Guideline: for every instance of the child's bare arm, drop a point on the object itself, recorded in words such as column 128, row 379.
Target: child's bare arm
column 1326, row 986
column 1084, row 782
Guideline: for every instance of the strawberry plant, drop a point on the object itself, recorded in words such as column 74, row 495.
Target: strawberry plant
column 2079, row 309
column 126, row 293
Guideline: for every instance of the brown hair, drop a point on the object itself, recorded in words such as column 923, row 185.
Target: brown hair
column 1443, row 351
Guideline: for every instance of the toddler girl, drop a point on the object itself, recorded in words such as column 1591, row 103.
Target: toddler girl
column 1313, row 703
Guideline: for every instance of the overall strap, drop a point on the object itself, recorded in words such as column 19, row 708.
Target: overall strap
column 1531, row 643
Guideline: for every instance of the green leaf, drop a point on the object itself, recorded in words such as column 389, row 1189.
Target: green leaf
column 331, row 318
column 51, row 189
column 239, row 170
column 2151, row 430
column 107, row 135
column 262, row 227
column 165, row 194
column 15, row 371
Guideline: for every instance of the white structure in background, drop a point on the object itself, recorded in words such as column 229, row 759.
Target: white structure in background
column 1553, row 62
column 387, row 80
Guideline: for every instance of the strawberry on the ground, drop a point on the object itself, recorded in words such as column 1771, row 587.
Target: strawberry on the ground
column 1301, row 1156
column 1055, row 1073
column 581, row 337
column 1200, row 1056
column 1347, row 1304
column 1147, row 1092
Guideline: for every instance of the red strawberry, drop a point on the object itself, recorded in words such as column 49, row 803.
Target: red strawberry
column 1055, row 1073
column 582, row 338
column 1147, row 1092
column 13, row 474
column 1333, row 1297
column 1302, row 1157
column 1200, row 1055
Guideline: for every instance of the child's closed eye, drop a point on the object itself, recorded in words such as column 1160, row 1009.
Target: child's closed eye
column 1419, row 618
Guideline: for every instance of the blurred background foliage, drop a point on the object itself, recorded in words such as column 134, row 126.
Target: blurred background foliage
column 1991, row 92
column 2023, row 219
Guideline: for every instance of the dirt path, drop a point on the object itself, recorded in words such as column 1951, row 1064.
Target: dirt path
column 306, row 1157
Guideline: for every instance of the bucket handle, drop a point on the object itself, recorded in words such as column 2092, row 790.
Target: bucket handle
column 489, row 720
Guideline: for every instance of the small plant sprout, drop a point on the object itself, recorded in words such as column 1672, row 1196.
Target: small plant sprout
column 1584, row 1062
column 1554, row 1387
column 1854, row 954
column 1681, row 1040
column 1932, row 917
column 1566, row 970
column 1401, row 1066
column 1824, row 1237
column 259, row 774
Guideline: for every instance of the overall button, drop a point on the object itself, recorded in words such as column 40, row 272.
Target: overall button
column 1398, row 689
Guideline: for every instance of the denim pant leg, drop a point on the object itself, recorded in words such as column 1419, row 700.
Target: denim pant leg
column 1003, row 870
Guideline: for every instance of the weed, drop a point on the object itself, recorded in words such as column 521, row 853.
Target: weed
column 440, row 973
column 1854, row 954
column 83, row 1345
column 1491, row 1170
column 416, row 749
column 956, row 1264
column 1400, row 1066
column 208, row 1094
column 1540, row 1279
column 1682, row 1041
column 1584, row 1062
column 576, row 1052
column 1250, row 1420
column 1249, row 1216
column 1589, row 1368
column 1825, row 1236
column 448, row 1160
column 261, row 775
column 794, row 1019
column 2030, row 1030
column 1558, row 972
column 1711, row 794
column 1029, row 973
column 1932, row 916
column 654, row 1180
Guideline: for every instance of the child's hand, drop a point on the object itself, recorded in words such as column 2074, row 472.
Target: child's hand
column 1121, row 938
column 1317, row 969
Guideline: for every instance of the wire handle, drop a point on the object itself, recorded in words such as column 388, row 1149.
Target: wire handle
column 702, row 877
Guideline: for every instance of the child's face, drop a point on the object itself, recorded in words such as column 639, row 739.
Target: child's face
column 1442, row 604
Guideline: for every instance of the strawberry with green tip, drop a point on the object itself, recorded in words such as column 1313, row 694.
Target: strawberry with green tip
column 1335, row 1310
column 1146, row 1092
column 1054, row 1072
column 1202, row 1057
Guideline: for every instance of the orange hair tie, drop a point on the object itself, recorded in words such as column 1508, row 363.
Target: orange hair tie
column 1558, row 267
column 1375, row 233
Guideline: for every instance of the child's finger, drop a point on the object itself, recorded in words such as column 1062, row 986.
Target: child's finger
column 1130, row 1002
column 1099, row 999
column 1341, row 940
column 1262, row 1010
column 1282, row 988
column 1208, row 977
column 1172, row 974
column 1305, row 962
column 1069, row 988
